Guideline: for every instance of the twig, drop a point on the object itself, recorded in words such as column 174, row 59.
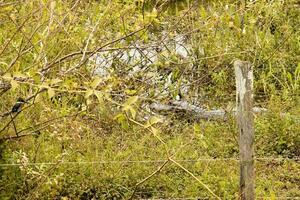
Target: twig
column 17, row 31
column 2, row 5
column 84, row 52
column 28, row 99
column 91, row 53
column 148, row 177
column 14, row 125
column 190, row 173
column 19, row 136
column 13, row 117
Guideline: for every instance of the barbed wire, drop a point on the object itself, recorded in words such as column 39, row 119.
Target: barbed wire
column 149, row 161
column 199, row 198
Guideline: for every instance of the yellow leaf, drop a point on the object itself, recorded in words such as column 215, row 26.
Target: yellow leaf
column 155, row 131
column 197, row 128
column 130, row 92
column 38, row 98
column 52, row 5
column 121, row 119
column 272, row 195
column 130, row 101
column 51, row 92
column 14, row 84
column 88, row 93
column 7, row 76
column 99, row 96
column 55, row 81
column 118, row 116
column 154, row 12
column 133, row 112
column 152, row 120
column 44, row 85
column 203, row 12
column 19, row 74
column 96, row 82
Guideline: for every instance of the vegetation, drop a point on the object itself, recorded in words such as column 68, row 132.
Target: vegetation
column 87, row 131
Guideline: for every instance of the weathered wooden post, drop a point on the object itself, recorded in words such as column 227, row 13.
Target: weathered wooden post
column 245, row 122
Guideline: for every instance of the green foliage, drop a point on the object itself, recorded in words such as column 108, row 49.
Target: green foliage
column 74, row 117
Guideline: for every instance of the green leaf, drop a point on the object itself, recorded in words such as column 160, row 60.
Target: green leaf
column 122, row 120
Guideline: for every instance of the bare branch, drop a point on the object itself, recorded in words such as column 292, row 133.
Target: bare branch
column 91, row 53
column 148, row 177
column 198, row 180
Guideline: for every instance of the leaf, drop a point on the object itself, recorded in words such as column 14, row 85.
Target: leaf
column 19, row 74
column 132, row 111
column 99, row 96
column 203, row 13
column 7, row 76
column 153, row 120
column 44, row 85
column 14, row 84
column 88, row 93
column 197, row 128
column 38, row 98
column 272, row 195
column 51, row 92
column 55, row 81
column 155, row 131
column 154, row 12
column 122, row 120
column 289, row 77
column 130, row 101
column 130, row 92
column 118, row 116
column 96, row 82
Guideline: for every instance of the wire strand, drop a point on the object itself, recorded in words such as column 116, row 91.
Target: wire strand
column 149, row 161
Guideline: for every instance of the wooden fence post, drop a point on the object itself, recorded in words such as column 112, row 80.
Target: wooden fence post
column 245, row 122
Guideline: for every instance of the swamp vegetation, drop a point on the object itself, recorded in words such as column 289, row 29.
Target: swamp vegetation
column 91, row 71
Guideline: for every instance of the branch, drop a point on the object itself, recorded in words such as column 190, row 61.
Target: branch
column 28, row 99
column 17, row 31
column 91, row 53
column 190, row 173
column 148, row 177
